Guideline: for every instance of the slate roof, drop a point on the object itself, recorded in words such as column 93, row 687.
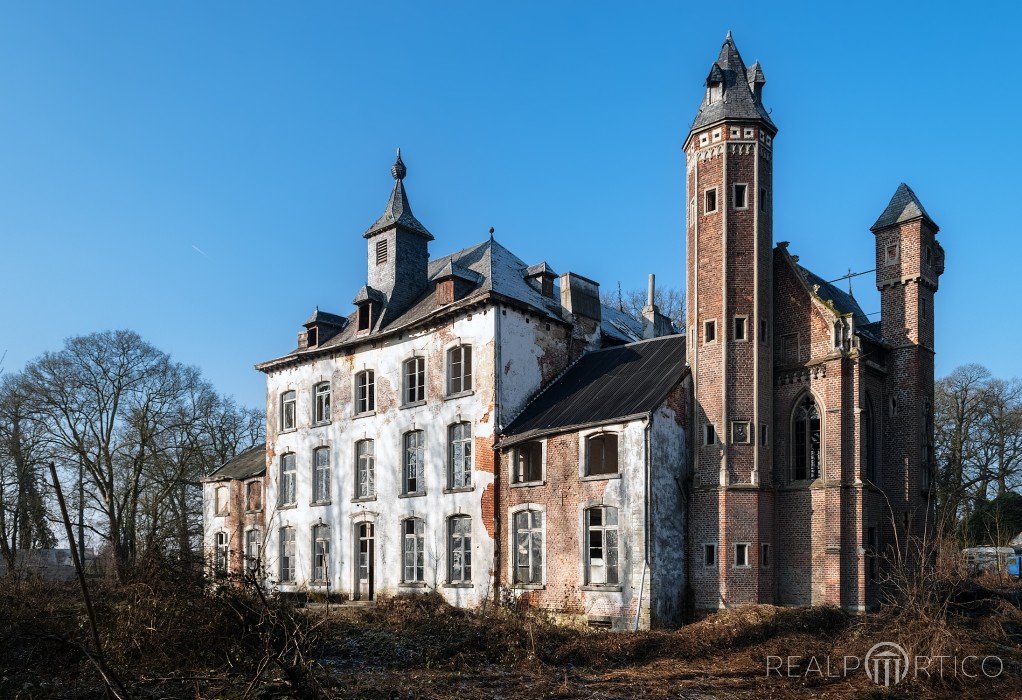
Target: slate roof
column 843, row 301
column 244, row 465
column 326, row 318
column 619, row 326
column 398, row 211
column 904, row 206
column 738, row 101
column 604, row 387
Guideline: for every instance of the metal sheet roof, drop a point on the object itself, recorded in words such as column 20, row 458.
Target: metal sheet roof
column 244, row 465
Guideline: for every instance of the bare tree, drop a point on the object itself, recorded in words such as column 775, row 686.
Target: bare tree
column 958, row 412
column 670, row 301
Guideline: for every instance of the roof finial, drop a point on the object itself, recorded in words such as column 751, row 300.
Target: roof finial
column 491, row 233
column 728, row 38
column 398, row 170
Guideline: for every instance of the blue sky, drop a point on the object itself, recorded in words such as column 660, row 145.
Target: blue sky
column 203, row 172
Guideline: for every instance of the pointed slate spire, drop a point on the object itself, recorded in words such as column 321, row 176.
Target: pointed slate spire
column 904, row 206
column 398, row 212
column 740, row 90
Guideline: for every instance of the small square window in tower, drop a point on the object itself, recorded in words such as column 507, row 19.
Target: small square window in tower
column 710, row 201
column 740, row 328
column 740, row 196
column 709, row 331
column 741, row 554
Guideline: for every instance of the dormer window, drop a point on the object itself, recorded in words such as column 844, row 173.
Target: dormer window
column 313, row 335
column 365, row 314
column 714, row 92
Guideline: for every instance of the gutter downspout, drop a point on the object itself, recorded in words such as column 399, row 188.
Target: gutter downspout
column 647, row 441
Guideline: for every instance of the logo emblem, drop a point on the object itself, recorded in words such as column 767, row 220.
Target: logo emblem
column 887, row 664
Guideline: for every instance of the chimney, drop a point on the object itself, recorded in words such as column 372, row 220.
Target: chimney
column 654, row 323
column 581, row 296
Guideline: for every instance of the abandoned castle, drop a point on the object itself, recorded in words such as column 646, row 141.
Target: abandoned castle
column 481, row 426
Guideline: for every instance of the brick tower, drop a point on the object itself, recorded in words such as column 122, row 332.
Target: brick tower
column 730, row 282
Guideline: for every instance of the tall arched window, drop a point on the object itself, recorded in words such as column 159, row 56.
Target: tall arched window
column 806, row 440
column 869, row 441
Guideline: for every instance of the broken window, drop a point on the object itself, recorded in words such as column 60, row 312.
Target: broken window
column 413, row 481
column 254, row 496
column 288, row 480
column 365, row 316
column 223, row 500
column 365, row 469
column 412, row 530
column 287, row 555
column 601, row 546
column 222, row 552
column 460, row 451
column 806, row 441
column 253, row 550
column 528, row 465
column 321, row 553
column 365, row 391
column 741, row 554
column 460, row 549
column 415, row 380
column 528, row 537
column 459, row 369
column 601, row 454
column 321, row 475
column 287, row 410
column 321, row 407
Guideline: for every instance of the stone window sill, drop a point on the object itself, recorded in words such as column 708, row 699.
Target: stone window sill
column 320, row 503
column 287, row 506
column 367, row 414
column 285, row 431
column 363, row 499
column 529, row 587
column 605, row 588
column 250, row 511
column 460, row 489
column 412, row 584
column 459, row 395
column 413, row 404
column 320, row 424
column 223, row 515
column 459, row 585
column 600, row 477
column 528, row 484
column 414, row 494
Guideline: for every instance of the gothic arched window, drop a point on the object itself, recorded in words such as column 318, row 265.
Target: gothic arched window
column 806, row 440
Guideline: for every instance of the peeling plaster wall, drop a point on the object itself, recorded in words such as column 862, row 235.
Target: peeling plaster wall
column 387, row 426
column 236, row 522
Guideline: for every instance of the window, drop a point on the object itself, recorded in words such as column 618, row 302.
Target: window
column 741, row 196
column 365, row 316
column 413, row 472
column 837, row 334
column 287, row 410
column 764, row 555
column 891, row 254
column 365, row 469
column 892, row 406
column 741, row 554
column 869, row 441
column 415, row 380
column 764, row 434
column 601, row 454
column 222, row 552
column 287, row 555
column 929, row 455
column 763, row 331
column 547, row 287
column 321, row 553
column 365, row 392
column 460, row 549
column 254, row 496
column 288, row 480
column 528, row 463
column 459, row 449
column 710, row 201
column 321, row 403
column 806, row 441
column 321, row 475
column 223, row 500
column 929, row 256
column 714, row 92
column 871, row 552
column 709, row 331
column 740, row 324
column 741, row 432
column 601, row 546
column 381, row 252
column 923, row 313
column 762, row 199
column 528, row 534
column 459, row 369
column 253, row 550
column 709, row 555
column 789, row 347
column 709, row 434
column 414, row 552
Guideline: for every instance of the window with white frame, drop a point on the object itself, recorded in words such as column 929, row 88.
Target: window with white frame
column 288, row 495
column 287, row 555
column 414, row 370
column 601, row 546
column 741, row 554
column 254, row 496
column 321, row 553
column 806, row 440
column 413, row 467
column 740, row 195
column 321, row 475
column 223, row 500
column 528, row 538
column 321, row 403
column 459, row 470
column 412, row 531
column 710, row 554
column 459, row 548
column 365, row 391
column 288, row 401
column 222, row 552
column 459, row 369
column 528, row 462
column 253, row 550
column 365, row 469
column 601, row 454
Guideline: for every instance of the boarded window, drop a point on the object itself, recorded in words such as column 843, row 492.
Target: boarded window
column 254, row 496
column 223, row 500
column 601, row 454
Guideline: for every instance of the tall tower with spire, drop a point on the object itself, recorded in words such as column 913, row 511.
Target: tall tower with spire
column 730, row 280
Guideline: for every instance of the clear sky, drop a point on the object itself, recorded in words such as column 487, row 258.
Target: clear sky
column 203, row 172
